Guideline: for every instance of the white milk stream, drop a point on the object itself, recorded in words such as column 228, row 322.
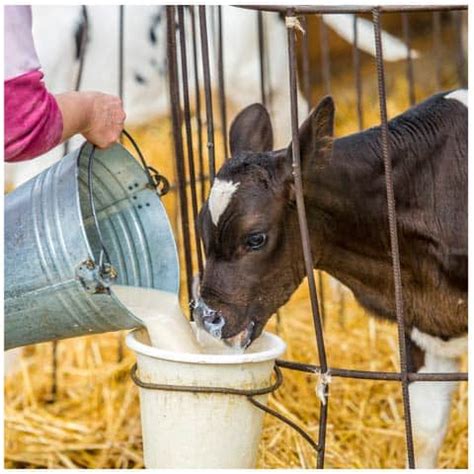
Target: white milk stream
column 166, row 324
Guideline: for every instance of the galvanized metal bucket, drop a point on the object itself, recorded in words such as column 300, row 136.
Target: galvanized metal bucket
column 92, row 220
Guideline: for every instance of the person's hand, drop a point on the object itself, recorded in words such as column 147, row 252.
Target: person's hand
column 98, row 117
column 105, row 119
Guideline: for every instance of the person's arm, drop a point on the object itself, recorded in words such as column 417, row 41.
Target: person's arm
column 35, row 119
column 98, row 117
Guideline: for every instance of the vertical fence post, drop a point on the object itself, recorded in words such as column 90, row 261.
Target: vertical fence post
column 176, row 120
column 326, row 76
column 84, row 31
column 197, row 98
column 221, row 81
column 306, row 67
column 120, row 92
column 303, row 225
column 207, row 92
column 392, row 221
column 189, row 136
column 261, row 55
column 120, row 56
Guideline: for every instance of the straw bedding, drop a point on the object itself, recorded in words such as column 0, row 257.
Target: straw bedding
column 94, row 421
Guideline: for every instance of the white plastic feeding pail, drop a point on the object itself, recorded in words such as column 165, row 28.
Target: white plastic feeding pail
column 202, row 430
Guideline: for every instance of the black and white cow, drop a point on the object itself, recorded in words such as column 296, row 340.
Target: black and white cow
column 57, row 31
column 250, row 231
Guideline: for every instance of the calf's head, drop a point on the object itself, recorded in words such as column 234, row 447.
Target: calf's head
column 249, row 225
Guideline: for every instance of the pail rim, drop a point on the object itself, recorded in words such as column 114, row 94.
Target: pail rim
column 276, row 348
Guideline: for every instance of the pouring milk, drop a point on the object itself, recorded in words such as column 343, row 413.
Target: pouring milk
column 166, row 324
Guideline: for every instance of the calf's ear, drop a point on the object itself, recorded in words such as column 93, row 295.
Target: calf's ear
column 316, row 135
column 251, row 130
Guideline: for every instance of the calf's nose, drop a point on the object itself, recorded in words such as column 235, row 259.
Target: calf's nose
column 211, row 320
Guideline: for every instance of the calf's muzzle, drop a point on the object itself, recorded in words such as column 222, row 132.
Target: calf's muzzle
column 213, row 322
column 209, row 319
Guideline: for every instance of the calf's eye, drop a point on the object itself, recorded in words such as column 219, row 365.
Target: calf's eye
column 256, row 241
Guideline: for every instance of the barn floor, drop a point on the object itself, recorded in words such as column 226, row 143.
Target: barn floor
column 94, row 421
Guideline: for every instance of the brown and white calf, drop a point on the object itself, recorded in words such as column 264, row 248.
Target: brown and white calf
column 250, row 231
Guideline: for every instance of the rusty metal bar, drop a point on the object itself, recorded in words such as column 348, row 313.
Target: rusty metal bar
column 374, row 375
column 305, row 239
column 248, row 393
column 326, row 79
column 174, row 187
column 409, row 60
column 290, row 423
column 221, row 81
column 322, row 296
column 340, row 9
column 261, row 55
column 436, row 23
column 121, row 43
column 176, row 120
column 80, row 68
column 120, row 350
column 306, row 67
column 189, row 135
column 121, row 55
column 82, row 47
column 325, row 59
column 207, row 92
column 357, row 74
column 307, row 93
column 197, row 98
column 265, row 102
column 392, row 222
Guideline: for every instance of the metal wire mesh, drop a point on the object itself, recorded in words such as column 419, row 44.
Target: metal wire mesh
column 403, row 376
column 197, row 15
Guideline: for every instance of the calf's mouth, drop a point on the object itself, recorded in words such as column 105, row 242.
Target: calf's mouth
column 243, row 339
column 213, row 322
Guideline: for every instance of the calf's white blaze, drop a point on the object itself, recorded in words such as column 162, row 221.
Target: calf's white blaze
column 220, row 197
column 430, row 402
column 460, row 95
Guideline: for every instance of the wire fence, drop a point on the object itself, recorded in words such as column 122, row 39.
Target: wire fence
column 191, row 169
column 296, row 17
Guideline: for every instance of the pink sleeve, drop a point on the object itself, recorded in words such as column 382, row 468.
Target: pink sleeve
column 33, row 121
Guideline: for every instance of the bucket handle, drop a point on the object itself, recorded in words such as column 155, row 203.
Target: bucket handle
column 248, row 393
column 96, row 279
column 155, row 178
